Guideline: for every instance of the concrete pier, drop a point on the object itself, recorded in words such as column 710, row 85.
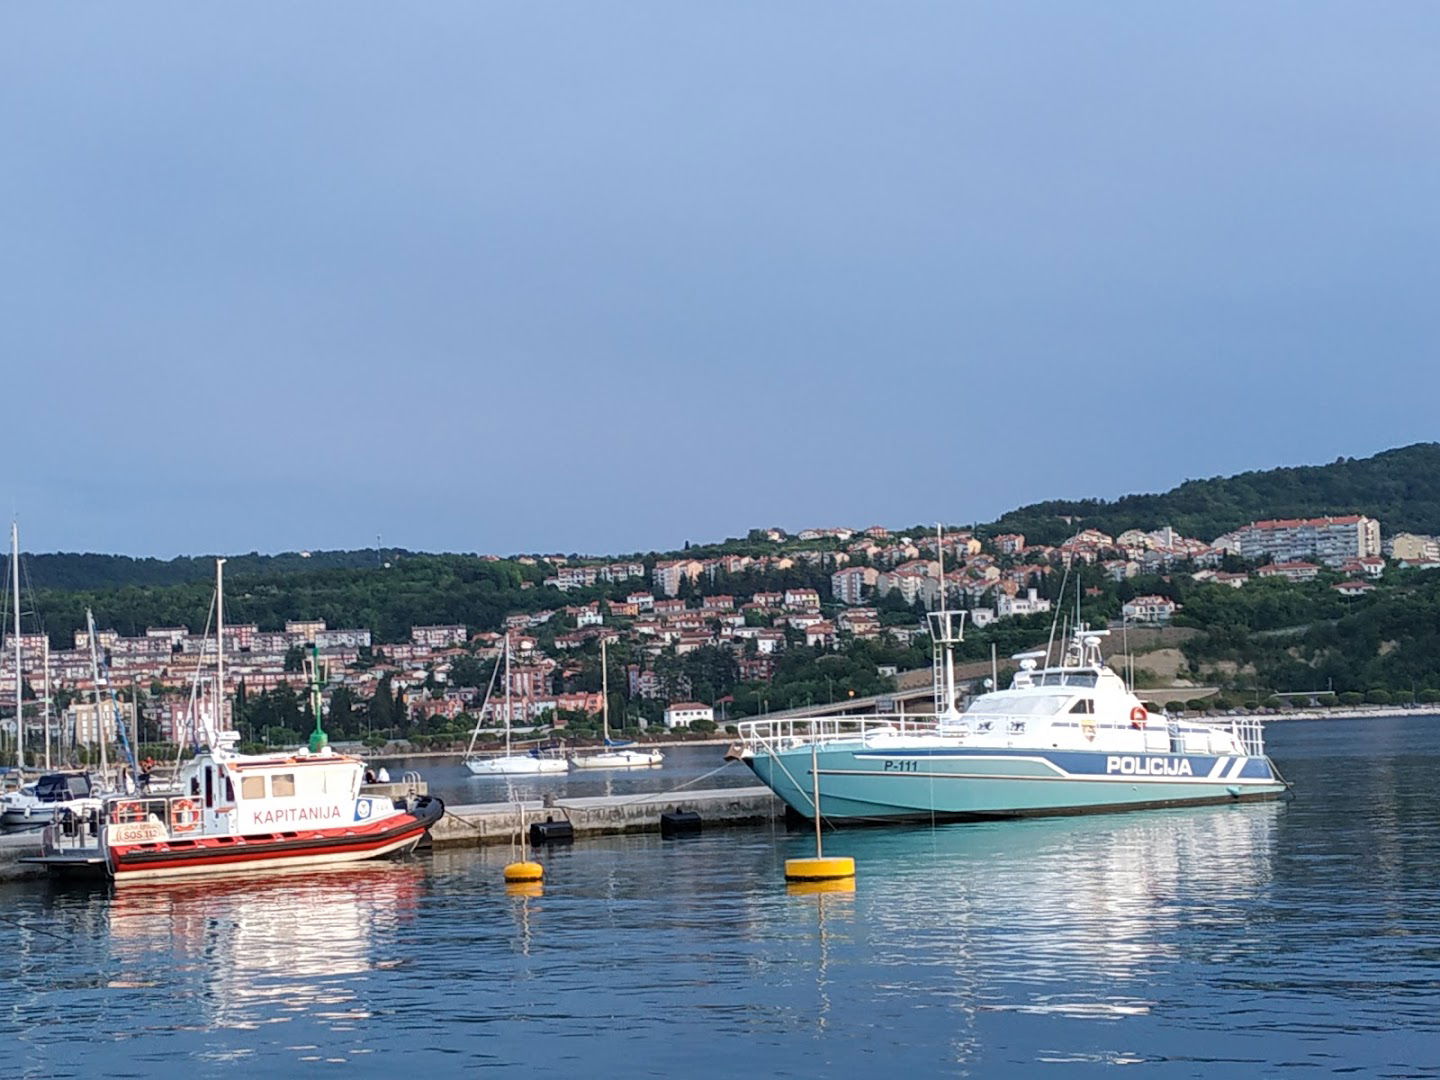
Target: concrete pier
column 496, row 823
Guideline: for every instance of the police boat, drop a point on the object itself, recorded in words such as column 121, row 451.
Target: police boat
column 1072, row 738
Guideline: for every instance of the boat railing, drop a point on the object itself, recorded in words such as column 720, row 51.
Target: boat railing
column 1249, row 732
column 74, row 827
column 73, row 831
column 783, row 733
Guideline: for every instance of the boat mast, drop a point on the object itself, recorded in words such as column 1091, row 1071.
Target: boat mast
column 507, row 693
column 45, row 708
column 943, row 637
column 604, row 692
column 95, row 677
column 219, row 651
column 19, row 696
column 318, row 739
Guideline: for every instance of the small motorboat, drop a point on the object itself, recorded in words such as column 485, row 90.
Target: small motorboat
column 38, row 804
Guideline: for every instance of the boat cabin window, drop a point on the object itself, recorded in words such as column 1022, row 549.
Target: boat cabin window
column 252, row 787
column 1084, row 705
column 282, row 785
column 1019, row 704
column 1065, row 678
column 209, row 786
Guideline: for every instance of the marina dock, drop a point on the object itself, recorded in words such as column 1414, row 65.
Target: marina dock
column 480, row 824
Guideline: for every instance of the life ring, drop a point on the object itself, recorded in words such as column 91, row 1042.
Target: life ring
column 184, row 816
column 1138, row 716
column 130, row 813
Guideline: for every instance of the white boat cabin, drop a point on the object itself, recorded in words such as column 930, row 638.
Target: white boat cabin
column 240, row 794
column 1082, row 708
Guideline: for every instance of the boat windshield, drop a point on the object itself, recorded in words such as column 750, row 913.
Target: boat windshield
column 61, row 788
column 1064, row 678
column 1018, row 704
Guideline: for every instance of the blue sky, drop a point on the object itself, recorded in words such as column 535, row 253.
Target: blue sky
column 599, row 277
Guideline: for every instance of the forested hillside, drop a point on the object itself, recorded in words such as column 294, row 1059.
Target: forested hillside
column 1399, row 487
column 65, row 570
column 414, row 591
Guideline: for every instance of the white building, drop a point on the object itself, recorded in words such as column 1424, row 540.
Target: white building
column 1332, row 540
column 1413, row 547
column 683, row 714
column 853, row 584
column 1030, row 604
column 1149, row 609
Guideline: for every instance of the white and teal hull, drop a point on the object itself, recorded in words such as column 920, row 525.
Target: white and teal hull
column 859, row 783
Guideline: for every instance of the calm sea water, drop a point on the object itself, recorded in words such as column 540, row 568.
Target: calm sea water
column 684, row 767
column 1294, row 939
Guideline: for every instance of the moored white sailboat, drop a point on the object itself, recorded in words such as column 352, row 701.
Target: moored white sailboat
column 614, row 754
column 510, row 763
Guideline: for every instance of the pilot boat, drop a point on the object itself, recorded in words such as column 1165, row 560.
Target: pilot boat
column 237, row 812
column 1071, row 738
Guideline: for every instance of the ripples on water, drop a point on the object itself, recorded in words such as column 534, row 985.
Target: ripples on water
column 1279, row 939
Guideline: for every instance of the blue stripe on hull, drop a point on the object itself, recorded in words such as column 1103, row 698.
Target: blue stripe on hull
column 956, row 782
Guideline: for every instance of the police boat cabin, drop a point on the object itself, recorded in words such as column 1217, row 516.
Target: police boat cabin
column 1065, row 739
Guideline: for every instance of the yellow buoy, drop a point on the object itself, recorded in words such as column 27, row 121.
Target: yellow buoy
column 522, row 872
column 821, row 868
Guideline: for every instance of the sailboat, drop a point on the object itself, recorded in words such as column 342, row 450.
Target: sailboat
column 39, row 803
column 238, row 812
column 615, row 754
column 510, row 763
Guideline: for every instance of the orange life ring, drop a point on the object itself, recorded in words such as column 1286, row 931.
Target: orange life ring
column 1138, row 716
column 184, row 816
column 129, row 813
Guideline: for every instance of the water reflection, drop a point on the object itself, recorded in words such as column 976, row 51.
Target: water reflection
column 1232, row 940
column 1067, row 917
column 260, row 950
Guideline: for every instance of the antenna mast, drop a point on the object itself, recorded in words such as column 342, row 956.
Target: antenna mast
column 19, row 682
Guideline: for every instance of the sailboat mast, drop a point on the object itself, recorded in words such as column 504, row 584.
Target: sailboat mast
column 19, row 697
column 45, row 708
column 604, row 692
column 219, row 648
column 95, row 677
column 507, row 693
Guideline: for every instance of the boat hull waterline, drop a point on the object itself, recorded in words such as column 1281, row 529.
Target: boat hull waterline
column 316, row 847
column 517, row 765
column 618, row 759
column 176, row 857
column 958, row 783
